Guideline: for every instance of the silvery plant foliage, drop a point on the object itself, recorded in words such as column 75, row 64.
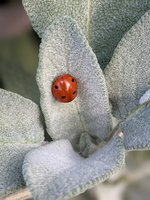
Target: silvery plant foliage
column 77, row 38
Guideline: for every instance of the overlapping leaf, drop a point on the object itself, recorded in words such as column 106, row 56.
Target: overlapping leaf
column 136, row 128
column 19, row 119
column 65, row 174
column 20, row 131
column 11, row 160
column 64, row 49
column 128, row 73
column 103, row 22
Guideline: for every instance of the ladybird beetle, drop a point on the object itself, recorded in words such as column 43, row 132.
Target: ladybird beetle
column 64, row 88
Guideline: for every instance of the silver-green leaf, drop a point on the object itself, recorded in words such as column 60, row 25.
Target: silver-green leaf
column 128, row 74
column 11, row 160
column 64, row 50
column 20, row 120
column 20, row 131
column 136, row 129
column 103, row 22
column 61, row 173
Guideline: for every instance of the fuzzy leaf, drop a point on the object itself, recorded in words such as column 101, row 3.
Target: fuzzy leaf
column 64, row 49
column 43, row 12
column 11, row 160
column 136, row 128
column 103, row 22
column 65, row 174
column 128, row 73
column 19, row 119
column 20, row 131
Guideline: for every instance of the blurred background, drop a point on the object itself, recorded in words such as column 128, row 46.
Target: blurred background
column 19, row 46
column 18, row 50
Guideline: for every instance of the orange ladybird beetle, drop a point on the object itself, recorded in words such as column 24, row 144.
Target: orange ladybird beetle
column 64, row 88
